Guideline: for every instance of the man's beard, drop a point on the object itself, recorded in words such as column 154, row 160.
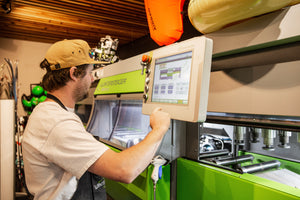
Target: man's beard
column 84, row 96
column 80, row 93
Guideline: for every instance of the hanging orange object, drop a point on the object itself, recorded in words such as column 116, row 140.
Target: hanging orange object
column 164, row 20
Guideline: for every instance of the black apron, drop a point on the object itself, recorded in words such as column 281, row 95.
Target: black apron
column 90, row 186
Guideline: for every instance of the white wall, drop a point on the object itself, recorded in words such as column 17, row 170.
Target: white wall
column 29, row 54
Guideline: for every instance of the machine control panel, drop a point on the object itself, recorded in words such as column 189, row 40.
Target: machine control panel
column 177, row 79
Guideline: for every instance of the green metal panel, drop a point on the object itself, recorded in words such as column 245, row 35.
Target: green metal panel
column 141, row 187
column 130, row 82
column 203, row 182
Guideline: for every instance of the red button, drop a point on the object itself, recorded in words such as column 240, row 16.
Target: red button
column 146, row 59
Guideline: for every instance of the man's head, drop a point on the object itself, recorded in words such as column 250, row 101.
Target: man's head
column 69, row 53
column 59, row 60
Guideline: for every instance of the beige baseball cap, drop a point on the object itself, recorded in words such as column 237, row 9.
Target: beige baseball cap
column 70, row 53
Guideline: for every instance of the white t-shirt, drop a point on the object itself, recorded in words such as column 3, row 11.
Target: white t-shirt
column 57, row 151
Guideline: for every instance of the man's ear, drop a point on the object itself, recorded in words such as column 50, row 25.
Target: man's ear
column 72, row 73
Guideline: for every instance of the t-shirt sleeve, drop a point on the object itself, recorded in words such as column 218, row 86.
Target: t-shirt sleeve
column 71, row 147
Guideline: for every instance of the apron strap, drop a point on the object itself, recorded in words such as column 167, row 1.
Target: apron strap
column 50, row 96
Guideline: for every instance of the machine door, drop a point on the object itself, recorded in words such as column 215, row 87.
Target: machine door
column 119, row 122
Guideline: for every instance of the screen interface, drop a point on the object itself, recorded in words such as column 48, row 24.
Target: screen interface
column 172, row 79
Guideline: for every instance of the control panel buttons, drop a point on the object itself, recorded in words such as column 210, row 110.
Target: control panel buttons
column 145, row 96
column 147, row 80
column 146, row 88
column 146, row 59
column 148, row 71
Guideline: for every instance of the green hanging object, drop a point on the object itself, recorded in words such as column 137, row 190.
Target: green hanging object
column 37, row 91
column 42, row 98
column 26, row 103
column 34, row 101
column 38, row 95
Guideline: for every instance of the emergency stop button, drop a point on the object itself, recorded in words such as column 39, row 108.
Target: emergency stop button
column 146, row 63
column 146, row 59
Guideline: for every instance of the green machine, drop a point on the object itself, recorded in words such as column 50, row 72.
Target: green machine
column 234, row 132
column 235, row 162
column 129, row 90
column 248, row 148
column 118, row 121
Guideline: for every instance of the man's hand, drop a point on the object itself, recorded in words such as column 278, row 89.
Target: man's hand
column 160, row 120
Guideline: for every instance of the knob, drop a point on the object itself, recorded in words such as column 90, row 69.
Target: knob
column 146, row 88
column 145, row 96
column 146, row 59
column 147, row 80
column 148, row 71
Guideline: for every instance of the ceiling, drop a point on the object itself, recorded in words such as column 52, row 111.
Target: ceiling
column 53, row 20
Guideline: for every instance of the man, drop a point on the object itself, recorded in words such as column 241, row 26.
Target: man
column 57, row 149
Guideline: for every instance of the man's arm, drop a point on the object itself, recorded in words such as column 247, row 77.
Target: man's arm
column 129, row 163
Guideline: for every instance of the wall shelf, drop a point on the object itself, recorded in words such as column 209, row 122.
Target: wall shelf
column 268, row 39
column 280, row 51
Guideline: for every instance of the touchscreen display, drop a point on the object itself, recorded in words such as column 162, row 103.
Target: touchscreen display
column 171, row 79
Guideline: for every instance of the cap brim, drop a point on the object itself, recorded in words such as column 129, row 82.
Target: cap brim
column 58, row 67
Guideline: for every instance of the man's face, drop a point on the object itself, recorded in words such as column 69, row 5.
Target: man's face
column 83, row 85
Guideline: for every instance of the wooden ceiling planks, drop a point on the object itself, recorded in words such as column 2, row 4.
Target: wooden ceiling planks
column 99, row 11
column 50, row 20
column 63, row 20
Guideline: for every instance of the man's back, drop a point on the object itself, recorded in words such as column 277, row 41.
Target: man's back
column 56, row 149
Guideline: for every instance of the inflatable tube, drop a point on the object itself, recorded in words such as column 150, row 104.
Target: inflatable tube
column 164, row 20
column 211, row 15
